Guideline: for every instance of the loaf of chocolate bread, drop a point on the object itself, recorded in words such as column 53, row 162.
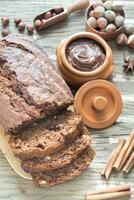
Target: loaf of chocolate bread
column 30, row 86
column 50, row 140
column 60, row 159
column 47, row 136
column 66, row 173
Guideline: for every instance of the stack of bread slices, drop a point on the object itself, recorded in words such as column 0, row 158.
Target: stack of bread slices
column 51, row 141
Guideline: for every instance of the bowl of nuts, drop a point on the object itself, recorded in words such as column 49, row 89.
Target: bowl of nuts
column 106, row 19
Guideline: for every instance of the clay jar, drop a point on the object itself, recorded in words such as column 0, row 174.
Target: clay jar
column 75, row 77
column 104, row 35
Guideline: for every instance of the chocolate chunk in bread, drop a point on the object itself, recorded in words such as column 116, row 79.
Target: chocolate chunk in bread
column 60, row 159
column 66, row 173
column 46, row 136
column 33, row 79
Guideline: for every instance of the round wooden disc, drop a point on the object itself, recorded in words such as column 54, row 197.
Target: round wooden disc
column 99, row 102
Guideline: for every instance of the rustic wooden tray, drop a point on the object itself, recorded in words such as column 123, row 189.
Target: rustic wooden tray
column 14, row 162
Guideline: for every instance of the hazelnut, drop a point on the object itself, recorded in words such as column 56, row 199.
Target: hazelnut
column 30, row 28
column 131, row 41
column 122, row 39
column 110, row 15
column 5, row 21
column 129, row 29
column 58, row 9
column 118, row 13
column 17, row 21
column 37, row 24
column 97, row 3
column 117, row 6
column 5, row 32
column 21, row 26
column 99, row 11
column 92, row 22
column 48, row 15
column 108, row 5
column 119, row 21
column 110, row 28
column 92, row 13
column 102, row 22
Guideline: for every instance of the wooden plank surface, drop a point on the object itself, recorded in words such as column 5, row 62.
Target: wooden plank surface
column 12, row 187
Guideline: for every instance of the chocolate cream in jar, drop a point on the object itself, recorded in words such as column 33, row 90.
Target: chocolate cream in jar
column 84, row 57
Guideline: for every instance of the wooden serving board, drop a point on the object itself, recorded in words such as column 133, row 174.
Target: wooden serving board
column 14, row 162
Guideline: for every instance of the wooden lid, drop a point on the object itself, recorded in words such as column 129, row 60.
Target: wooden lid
column 99, row 102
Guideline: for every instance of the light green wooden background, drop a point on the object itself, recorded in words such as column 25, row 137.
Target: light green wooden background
column 12, row 187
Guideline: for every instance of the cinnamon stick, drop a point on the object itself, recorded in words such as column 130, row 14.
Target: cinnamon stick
column 127, row 155
column 109, row 196
column 120, row 188
column 129, row 164
column 109, row 160
column 130, row 167
column 108, row 171
column 123, row 152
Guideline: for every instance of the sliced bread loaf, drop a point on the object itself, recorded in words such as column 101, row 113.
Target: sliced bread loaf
column 47, row 136
column 66, row 173
column 33, row 79
column 61, row 159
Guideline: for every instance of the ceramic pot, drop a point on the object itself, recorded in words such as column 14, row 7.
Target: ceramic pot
column 104, row 35
column 75, row 77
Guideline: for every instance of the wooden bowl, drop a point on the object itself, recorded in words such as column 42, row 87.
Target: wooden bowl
column 104, row 35
column 75, row 77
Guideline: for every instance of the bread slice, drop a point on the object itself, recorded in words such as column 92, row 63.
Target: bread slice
column 61, row 159
column 47, row 136
column 33, row 81
column 66, row 173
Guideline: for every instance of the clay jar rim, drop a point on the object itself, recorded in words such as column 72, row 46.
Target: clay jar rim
column 89, row 8
column 92, row 36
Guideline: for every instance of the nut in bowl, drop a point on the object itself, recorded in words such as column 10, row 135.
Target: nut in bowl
column 84, row 57
column 104, row 20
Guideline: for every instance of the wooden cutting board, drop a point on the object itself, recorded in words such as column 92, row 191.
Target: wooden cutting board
column 14, row 162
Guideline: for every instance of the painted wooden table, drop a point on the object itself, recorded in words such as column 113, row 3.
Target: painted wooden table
column 12, row 187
